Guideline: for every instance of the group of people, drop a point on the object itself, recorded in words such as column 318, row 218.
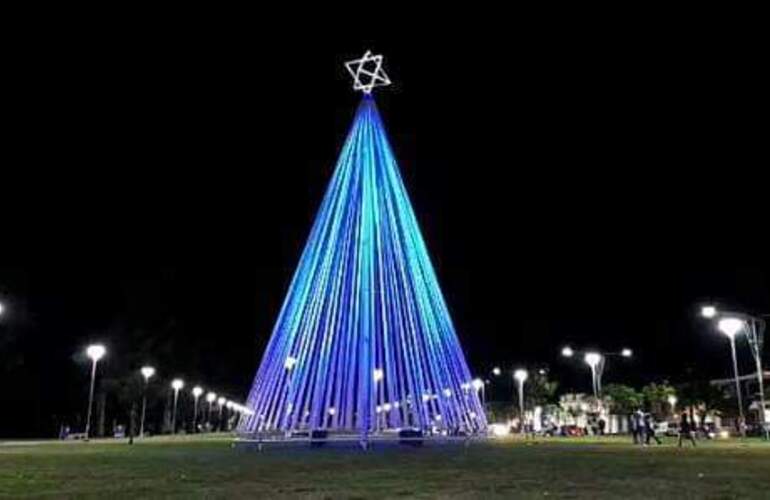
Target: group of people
column 643, row 429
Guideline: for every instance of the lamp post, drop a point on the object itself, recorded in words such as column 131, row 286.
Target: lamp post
column 210, row 398
column 95, row 352
column 221, row 402
column 197, row 391
column 672, row 403
column 594, row 360
column 754, row 328
column 147, row 373
column 730, row 327
column 176, row 384
column 521, row 377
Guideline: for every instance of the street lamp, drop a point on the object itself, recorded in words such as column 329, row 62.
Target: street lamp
column 478, row 384
column 754, row 328
column 210, row 398
column 147, row 373
column 731, row 327
column 197, row 391
column 521, row 377
column 567, row 352
column 594, row 360
column 496, row 371
column 95, row 352
column 626, row 353
column 672, row 403
column 221, row 402
column 176, row 384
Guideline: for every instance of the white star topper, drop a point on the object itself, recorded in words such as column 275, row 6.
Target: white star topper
column 367, row 73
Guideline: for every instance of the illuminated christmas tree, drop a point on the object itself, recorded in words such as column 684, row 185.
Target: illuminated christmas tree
column 364, row 341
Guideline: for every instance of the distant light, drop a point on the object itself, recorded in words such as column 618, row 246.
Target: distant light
column 593, row 359
column 477, row 383
column 211, row 397
column 520, row 375
column 1, row 309
column 387, row 407
column 177, row 384
column 672, row 400
column 541, row 371
column 730, row 326
column 290, row 362
column 724, row 434
column 448, row 393
column 96, row 351
column 437, row 417
column 567, row 352
column 147, row 372
column 332, row 411
column 466, row 386
column 221, row 401
column 496, row 371
column 197, row 391
column 378, row 374
column 472, row 414
column 708, row 311
column 626, row 353
column 378, row 409
column 500, row 430
column 229, row 405
column 425, row 398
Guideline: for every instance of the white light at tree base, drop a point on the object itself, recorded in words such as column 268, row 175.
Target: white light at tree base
column 730, row 326
column 177, row 384
column 96, row 351
column 708, row 311
column 147, row 372
column 520, row 375
column 567, row 352
column 500, row 430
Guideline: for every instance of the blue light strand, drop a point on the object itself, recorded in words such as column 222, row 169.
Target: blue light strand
column 364, row 298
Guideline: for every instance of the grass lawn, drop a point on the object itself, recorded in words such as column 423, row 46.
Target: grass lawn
column 561, row 468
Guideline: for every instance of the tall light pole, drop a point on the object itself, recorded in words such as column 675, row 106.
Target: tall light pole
column 730, row 327
column 147, row 373
column 672, row 403
column 754, row 328
column 210, row 398
column 221, row 402
column 594, row 361
column 521, row 377
column 95, row 352
column 176, row 384
column 197, row 391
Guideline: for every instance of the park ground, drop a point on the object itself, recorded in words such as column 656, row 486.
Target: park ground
column 512, row 468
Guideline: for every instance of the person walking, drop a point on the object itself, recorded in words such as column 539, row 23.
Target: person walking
column 686, row 430
column 649, row 430
column 637, row 426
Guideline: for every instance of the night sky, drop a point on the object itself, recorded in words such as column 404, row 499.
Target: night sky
column 591, row 191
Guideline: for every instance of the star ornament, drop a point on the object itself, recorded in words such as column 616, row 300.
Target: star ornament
column 367, row 73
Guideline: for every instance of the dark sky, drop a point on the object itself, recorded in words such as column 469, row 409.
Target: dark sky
column 589, row 189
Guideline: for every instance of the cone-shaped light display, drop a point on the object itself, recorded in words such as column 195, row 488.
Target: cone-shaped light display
column 364, row 341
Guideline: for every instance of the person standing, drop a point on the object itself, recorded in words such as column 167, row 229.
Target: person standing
column 638, row 426
column 685, row 430
column 649, row 430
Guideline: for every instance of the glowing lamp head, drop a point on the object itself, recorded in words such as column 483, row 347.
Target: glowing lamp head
column 730, row 326
column 177, row 384
column 672, row 400
column 229, row 405
column 592, row 359
column 290, row 362
column 496, row 371
column 626, row 353
column 96, row 351
column 332, row 411
column 147, row 372
column 387, row 407
column 378, row 374
column 520, row 375
column 708, row 311
column 447, row 393
column 221, row 401
column 567, row 352
column 211, row 397
column 197, row 391
column 477, row 383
